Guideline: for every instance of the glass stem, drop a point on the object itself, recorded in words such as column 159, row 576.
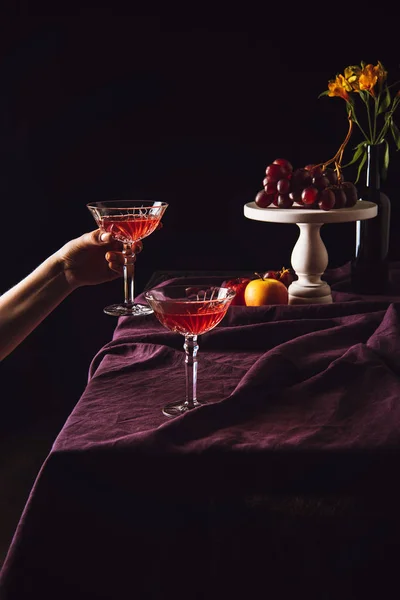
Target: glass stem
column 191, row 348
column 129, row 271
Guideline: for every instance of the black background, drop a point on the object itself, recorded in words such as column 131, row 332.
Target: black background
column 186, row 105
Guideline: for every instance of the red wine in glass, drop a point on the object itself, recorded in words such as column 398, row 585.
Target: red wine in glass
column 190, row 318
column 130, row 229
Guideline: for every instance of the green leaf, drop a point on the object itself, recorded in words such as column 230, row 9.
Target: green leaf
column 360, row 166
column 325, row 93
column 364, row 96
column 359, row 149
column 385, row 102
column 385, row 165
column 396, row 133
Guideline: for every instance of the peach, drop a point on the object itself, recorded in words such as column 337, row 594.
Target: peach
column 259, row 292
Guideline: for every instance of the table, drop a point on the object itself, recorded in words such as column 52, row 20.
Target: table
column 283, row 485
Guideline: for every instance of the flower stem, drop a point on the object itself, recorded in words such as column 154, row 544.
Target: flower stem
column 371, row 135
column 376, row 105
column 337, row 159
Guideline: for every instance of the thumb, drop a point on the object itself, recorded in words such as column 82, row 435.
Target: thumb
column 102, row 237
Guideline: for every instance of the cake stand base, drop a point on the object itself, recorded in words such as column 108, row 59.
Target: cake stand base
column 300, row 294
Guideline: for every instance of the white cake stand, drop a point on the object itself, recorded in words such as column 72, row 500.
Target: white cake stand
column 309, row 256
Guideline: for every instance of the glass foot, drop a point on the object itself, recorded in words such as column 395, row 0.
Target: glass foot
column 178, row 408
column 135, row 310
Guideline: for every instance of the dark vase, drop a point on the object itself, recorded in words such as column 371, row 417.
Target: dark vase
column 370, row 266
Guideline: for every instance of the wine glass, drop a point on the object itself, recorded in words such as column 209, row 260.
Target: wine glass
column 189, row 311
column 128, row 221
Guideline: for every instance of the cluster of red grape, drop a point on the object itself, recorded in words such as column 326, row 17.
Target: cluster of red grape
column 312, row 187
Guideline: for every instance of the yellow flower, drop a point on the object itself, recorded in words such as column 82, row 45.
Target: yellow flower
column 368, row 79
column 351, row 75
column 339, row 87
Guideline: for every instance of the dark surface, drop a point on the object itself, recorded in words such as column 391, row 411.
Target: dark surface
column 111, row 102
column 287, row 472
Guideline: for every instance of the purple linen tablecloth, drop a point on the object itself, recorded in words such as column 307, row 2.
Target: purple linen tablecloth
column 284, row 480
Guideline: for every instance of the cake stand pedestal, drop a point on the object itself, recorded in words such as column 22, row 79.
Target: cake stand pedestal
column 309, row 256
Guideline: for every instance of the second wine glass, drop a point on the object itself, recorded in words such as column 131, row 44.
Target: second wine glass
column 128, row 221
column 190, row 311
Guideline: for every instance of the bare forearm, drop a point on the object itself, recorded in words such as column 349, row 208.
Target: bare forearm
column 23, row 307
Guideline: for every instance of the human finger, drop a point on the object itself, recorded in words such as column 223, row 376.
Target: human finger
column 116, row 257
column 116, row 267
column 103, row 236
column 115, row 261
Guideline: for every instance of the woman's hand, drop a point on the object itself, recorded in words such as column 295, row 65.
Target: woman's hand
column 92, row 258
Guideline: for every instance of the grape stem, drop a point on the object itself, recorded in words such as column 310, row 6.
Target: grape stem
column 337, row 159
